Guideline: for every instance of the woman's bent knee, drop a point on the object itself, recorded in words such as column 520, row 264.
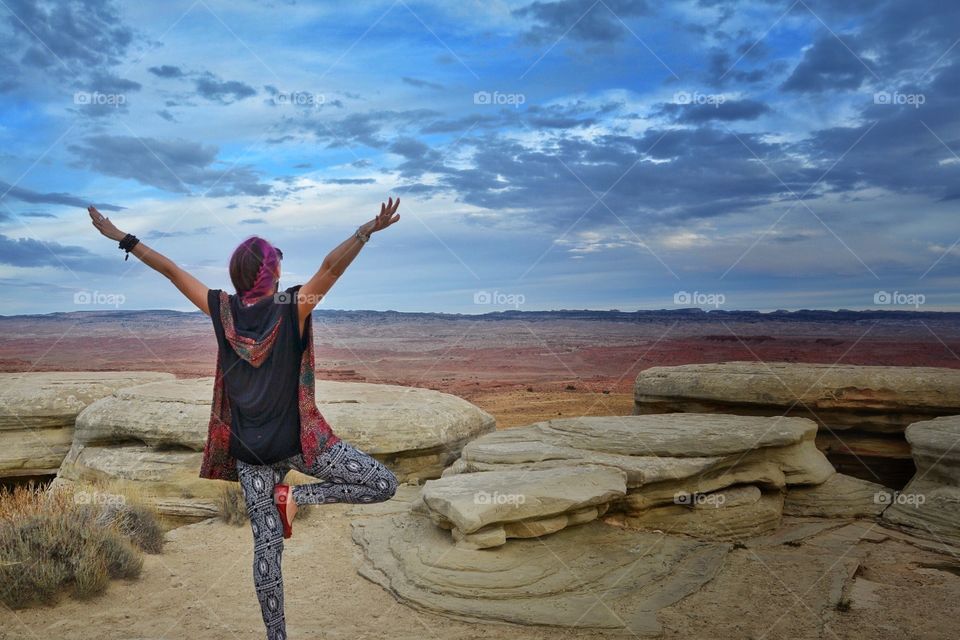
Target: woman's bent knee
column 390, row 488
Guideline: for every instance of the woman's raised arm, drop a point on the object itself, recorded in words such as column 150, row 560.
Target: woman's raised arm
column 339, row 259
column 193, row 289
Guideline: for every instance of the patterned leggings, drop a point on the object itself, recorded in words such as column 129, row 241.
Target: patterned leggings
column 348, row 474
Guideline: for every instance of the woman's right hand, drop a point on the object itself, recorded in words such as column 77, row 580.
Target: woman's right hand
column 103, row 224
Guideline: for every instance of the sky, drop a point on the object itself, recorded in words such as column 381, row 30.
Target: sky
column 577, row 154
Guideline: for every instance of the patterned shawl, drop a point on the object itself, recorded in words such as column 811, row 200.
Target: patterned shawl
column 316, row 435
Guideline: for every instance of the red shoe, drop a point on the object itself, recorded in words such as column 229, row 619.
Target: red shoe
column 282, row 497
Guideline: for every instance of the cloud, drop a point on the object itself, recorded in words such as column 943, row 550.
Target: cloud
column 829, row 64
column 26, row 195
column 727, row 110
column 349, row 181
column 725, row 67
column 370, row 128
column 28, row 252
column 213, row 88
column 75, row 42
column 419, row 157
column 166, row 71
column 422, row 84
column 87, row 34
column 464, row 123
column 175, row 165
column 156, row 233
column 558, row 117
column 36, row 214
column 585, row 20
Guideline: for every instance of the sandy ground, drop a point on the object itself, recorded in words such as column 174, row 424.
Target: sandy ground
column 520, row 407
column 201, row 588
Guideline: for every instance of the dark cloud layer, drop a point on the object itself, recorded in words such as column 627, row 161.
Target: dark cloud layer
column 586, row 20
column 73, row 42
column 76, row 34
column 727, row 110
column 166, row 71
column 548, row 162
column 34, row 197
column 174, row 165
column 833, row 62
column 213, row 88
column 28, row 252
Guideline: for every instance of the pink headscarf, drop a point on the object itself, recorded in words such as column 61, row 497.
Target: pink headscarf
column 267, row 274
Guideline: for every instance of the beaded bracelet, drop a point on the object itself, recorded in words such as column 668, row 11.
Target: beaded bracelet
column 128, row 243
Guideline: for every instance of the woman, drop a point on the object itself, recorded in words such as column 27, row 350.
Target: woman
column 264, row 420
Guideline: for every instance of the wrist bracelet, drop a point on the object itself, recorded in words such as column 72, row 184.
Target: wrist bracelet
column 362, row 237
column 128, row 243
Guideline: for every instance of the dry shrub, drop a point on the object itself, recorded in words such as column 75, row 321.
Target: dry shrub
column 70, row 537
column 233, row 509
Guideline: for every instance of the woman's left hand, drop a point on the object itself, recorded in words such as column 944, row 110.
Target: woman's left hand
column 387, row 216
column 103, row 224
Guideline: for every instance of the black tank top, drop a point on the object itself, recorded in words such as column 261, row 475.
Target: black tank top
column 263, row 400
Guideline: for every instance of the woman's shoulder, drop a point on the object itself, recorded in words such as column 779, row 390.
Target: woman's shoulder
column 215, row 295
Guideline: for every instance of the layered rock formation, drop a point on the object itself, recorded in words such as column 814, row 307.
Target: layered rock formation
column 600, row 577
column 149, row 437
column 554, row 581
column 863, row 411
column 484, row 509
column 929, row 506
column 152, row 436
column 38, row 410
column 416, row 432
column 715, row 476
column 841, row 496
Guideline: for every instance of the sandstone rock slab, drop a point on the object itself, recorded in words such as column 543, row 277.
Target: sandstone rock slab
column 929, row 506
column 728, row 514
column 872, row 398
column 38, row 410
column 153, row 435
column 862, row 410
column 744, row 462
column 484, row 509
column 651, row 448
column 841, row 496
